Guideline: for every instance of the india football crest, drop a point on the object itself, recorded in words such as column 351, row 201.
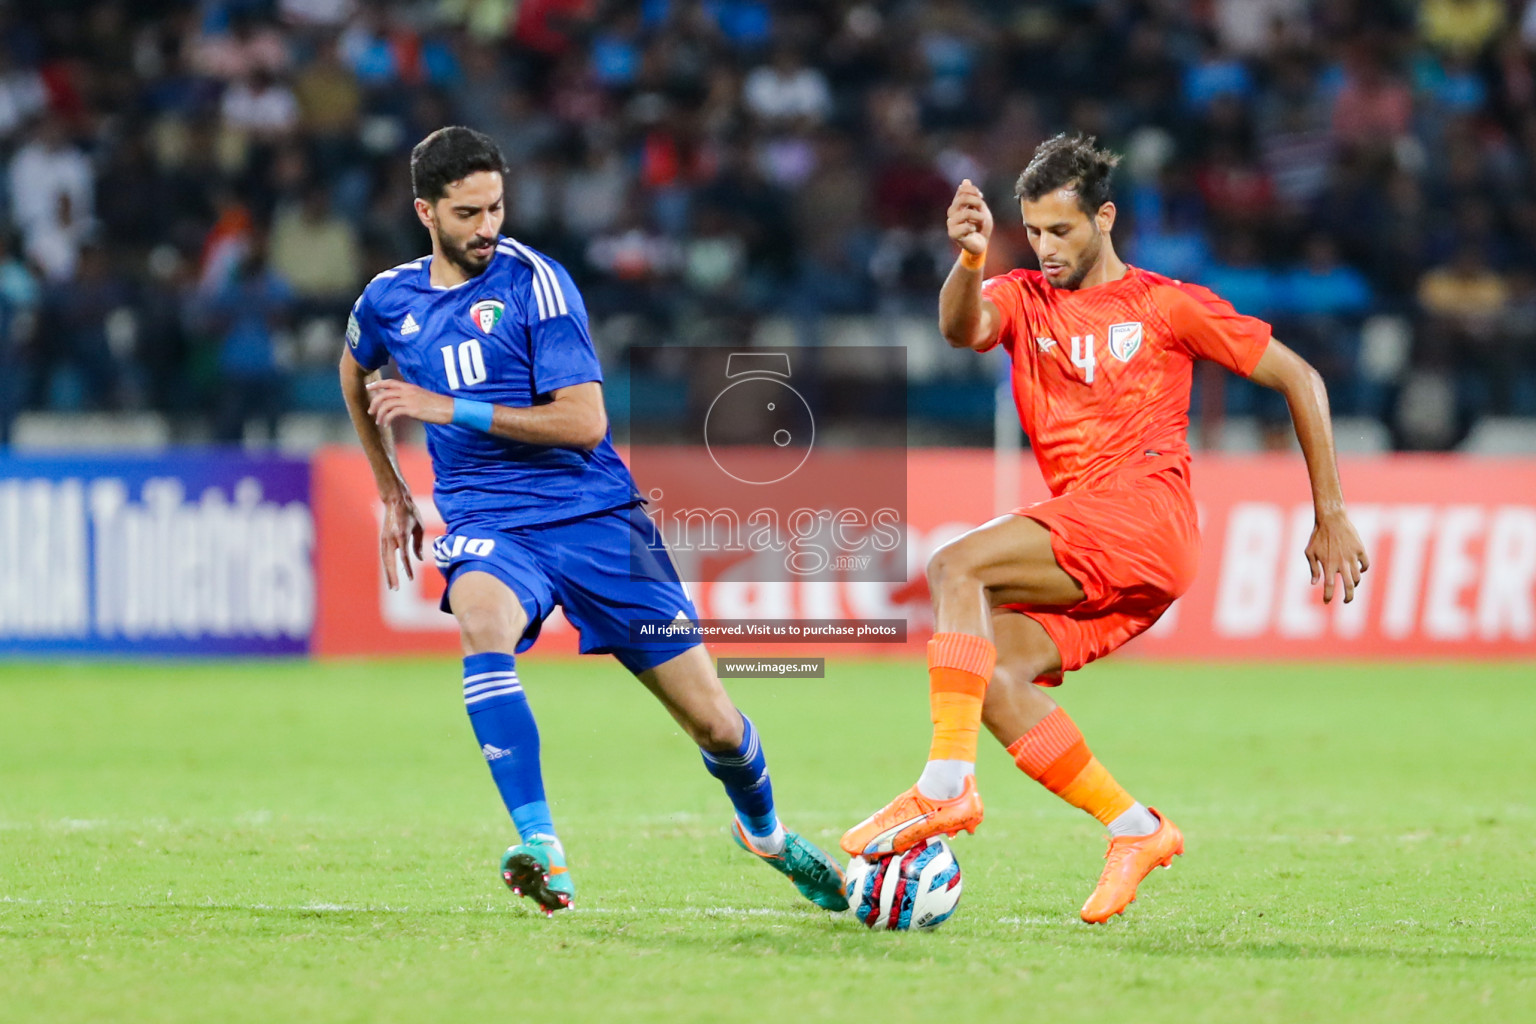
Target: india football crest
column 1124, row 340
column 487, row 314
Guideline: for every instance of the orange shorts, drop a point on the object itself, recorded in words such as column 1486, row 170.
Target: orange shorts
column 1133, row 546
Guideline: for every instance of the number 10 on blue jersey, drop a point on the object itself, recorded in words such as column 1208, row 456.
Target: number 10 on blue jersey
column 470, row 363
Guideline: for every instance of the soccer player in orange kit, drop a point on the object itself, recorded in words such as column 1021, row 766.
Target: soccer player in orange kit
column 1103, row 355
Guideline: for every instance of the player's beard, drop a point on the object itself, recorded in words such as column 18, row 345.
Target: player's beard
column 1086, row 261
column 467, row 258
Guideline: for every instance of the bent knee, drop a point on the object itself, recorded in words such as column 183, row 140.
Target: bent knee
column 711, row 720
column 951, row 562
column 720, row 730
column 488, row 627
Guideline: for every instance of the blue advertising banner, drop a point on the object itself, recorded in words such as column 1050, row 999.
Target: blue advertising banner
column 202, row 553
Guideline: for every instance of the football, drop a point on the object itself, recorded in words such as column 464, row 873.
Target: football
column 913, row 891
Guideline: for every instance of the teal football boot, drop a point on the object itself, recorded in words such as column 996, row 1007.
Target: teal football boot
column 816, row 875
column 536, row 869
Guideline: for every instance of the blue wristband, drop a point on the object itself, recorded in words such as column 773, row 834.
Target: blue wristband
column 479, row 415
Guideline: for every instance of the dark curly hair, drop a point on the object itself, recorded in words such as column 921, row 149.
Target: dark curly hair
column 449, row 155
column 1069, row 161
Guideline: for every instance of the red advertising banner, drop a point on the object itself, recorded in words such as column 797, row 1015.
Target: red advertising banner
column 1452, row 543
column 357, row 613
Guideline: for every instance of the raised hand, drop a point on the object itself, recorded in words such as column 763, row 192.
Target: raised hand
column 970, row 222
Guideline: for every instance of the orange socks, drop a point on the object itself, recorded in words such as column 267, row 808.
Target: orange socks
column 959, row 667
column 1054, row 754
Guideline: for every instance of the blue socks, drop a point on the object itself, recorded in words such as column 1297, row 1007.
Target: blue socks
column 509, row 739
column 744, row 773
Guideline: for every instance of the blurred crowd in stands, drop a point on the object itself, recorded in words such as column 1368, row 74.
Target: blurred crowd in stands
column 194, row 192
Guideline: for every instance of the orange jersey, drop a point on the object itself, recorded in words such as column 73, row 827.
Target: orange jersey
column 1102, row 375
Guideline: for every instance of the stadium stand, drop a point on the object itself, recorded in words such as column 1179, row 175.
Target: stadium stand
column 193, row 192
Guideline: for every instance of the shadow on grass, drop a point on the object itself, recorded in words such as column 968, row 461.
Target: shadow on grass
column 788, row 931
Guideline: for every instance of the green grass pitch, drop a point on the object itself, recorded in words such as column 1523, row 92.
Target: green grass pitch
column 272, row 842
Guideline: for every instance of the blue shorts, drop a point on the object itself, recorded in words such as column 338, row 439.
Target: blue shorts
column 603, row 569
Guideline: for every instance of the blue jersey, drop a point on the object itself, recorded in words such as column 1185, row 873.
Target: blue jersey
column 510, row 336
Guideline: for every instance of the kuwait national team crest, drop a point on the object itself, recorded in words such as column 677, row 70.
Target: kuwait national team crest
column 1124, row 340
column 487, row 314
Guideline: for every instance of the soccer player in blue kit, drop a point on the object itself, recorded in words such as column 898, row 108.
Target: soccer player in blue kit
column 494, row 355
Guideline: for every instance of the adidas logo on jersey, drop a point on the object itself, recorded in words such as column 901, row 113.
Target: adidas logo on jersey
column 1045, row 343
column 409, row 327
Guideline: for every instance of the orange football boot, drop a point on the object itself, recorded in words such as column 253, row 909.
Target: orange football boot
column 1129, row 860
column 911, row 818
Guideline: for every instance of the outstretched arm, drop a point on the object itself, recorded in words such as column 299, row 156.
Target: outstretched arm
column 401, row 533
column 1335, row 548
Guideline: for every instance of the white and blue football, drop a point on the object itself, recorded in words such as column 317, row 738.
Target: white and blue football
column 913, row 891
